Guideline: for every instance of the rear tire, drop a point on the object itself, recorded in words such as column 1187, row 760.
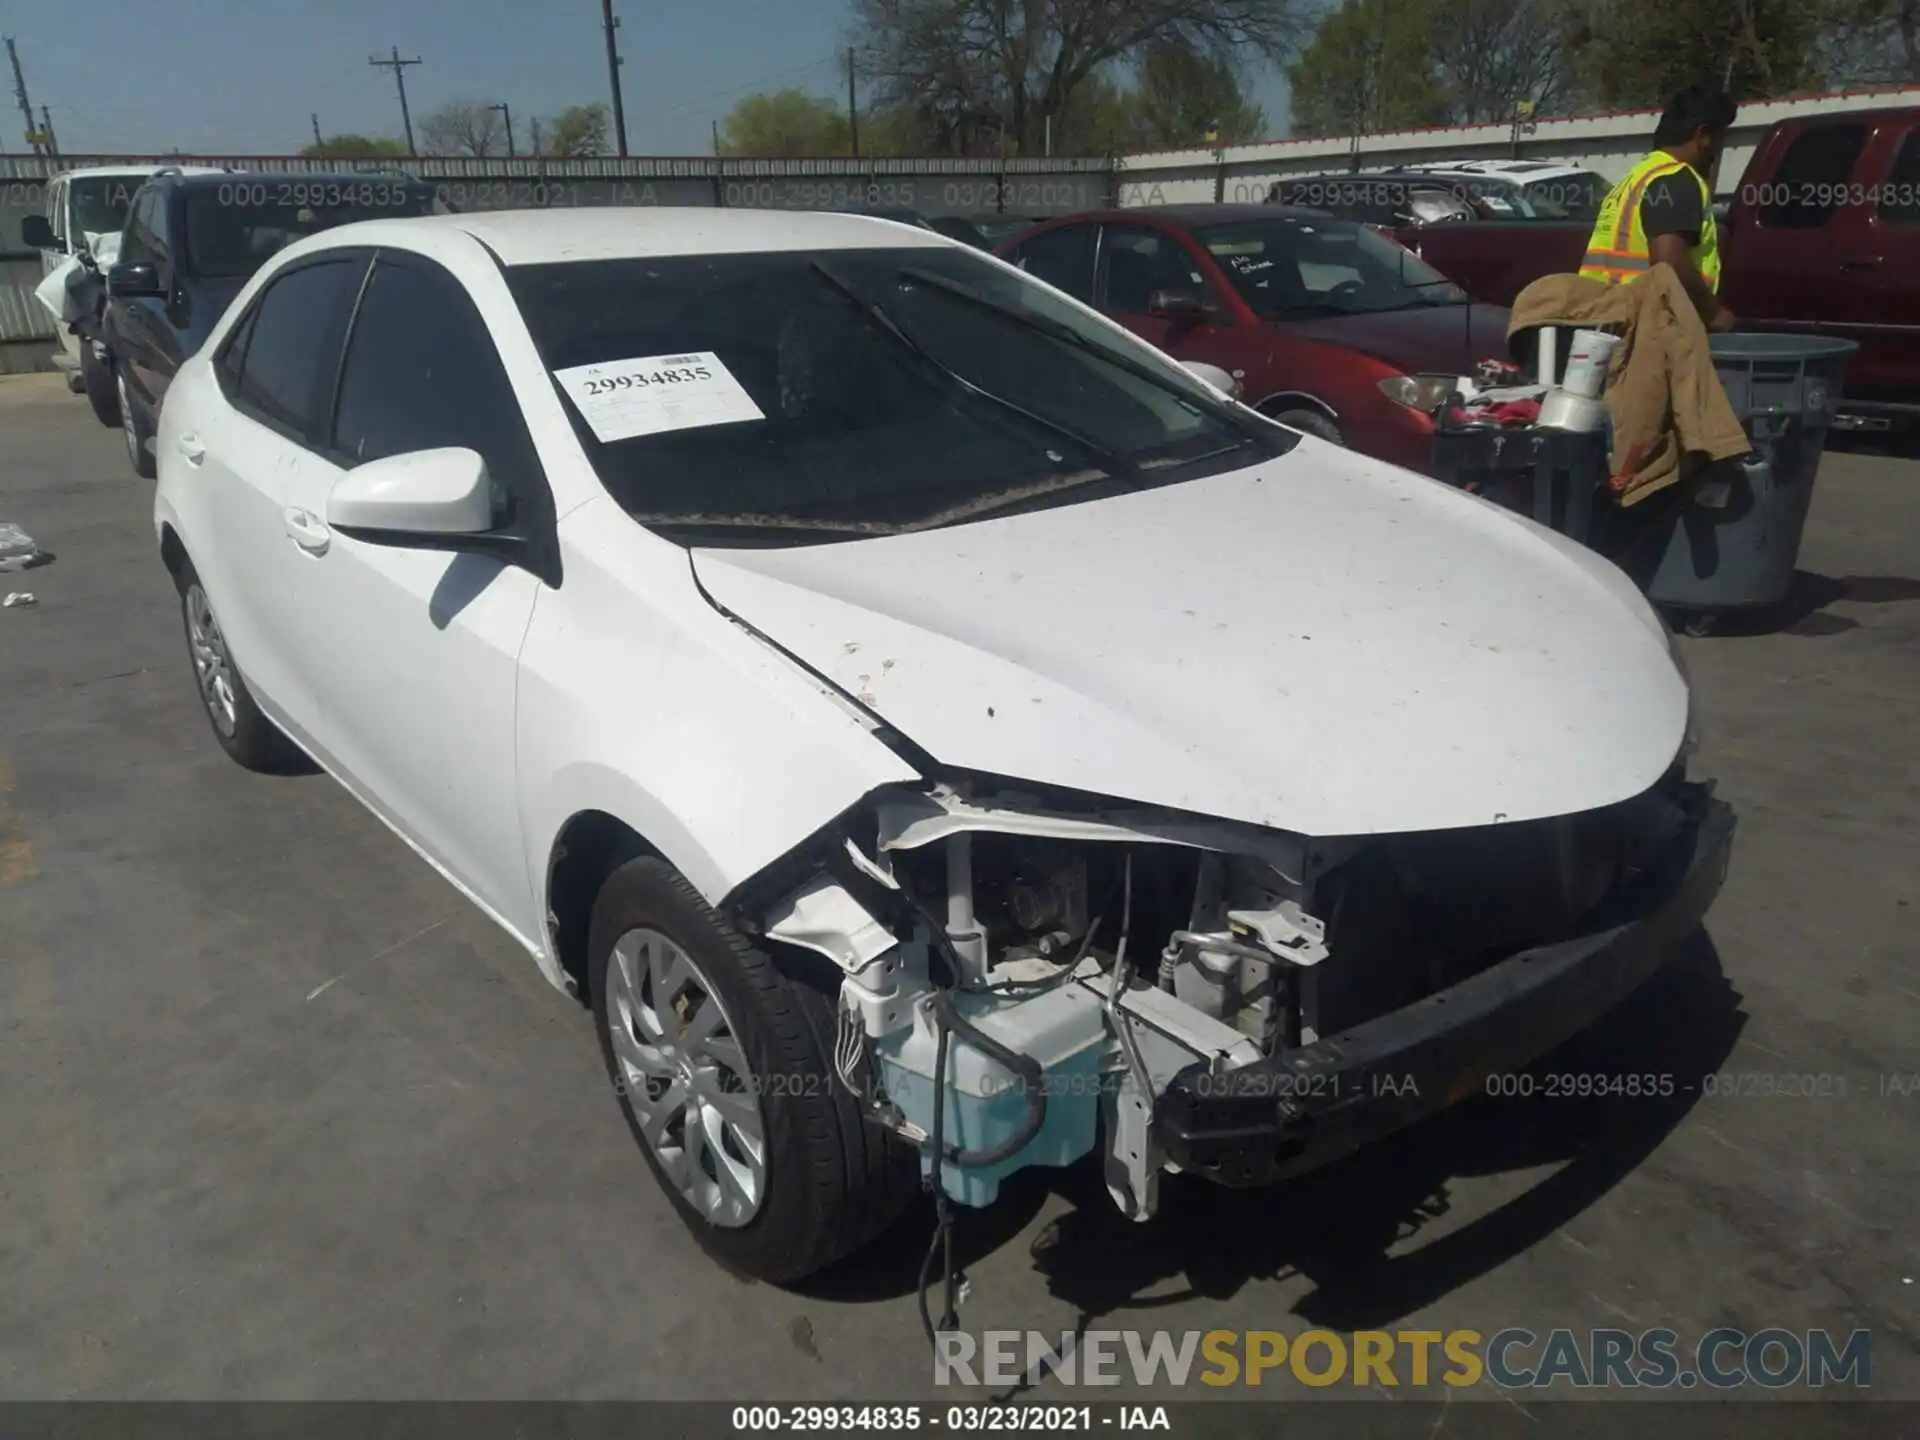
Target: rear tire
column 1312, row 422
column 99, row 382
column 702, row 1089
column 251, row 740
column 136, row 432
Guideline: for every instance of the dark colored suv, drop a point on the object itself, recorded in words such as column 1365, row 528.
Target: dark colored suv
column 191, row 244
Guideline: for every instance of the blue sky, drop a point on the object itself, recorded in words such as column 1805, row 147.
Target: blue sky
column 226, row 76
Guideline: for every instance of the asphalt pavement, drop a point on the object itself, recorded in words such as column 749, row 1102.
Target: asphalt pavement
column 282, row 1116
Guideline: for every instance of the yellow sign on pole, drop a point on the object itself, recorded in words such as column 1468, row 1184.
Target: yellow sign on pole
column 1524, row 109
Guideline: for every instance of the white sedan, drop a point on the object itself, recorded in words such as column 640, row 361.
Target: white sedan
column 936, row 733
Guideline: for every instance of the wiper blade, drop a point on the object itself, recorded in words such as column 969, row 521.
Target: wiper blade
column 878, row 315
column 1066, row 335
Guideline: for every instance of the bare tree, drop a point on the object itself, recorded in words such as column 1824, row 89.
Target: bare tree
column 463, row 127
column 1495, row 53
column 985, row 74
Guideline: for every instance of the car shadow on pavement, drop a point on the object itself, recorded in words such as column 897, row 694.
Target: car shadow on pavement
column 1346, row 1229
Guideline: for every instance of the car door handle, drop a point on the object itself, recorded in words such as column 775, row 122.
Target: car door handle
column 1864, row 262
column 190, row 446
column 306, row 529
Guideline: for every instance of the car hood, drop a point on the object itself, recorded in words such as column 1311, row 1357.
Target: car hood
column 1321, row 643
column 1432, row 339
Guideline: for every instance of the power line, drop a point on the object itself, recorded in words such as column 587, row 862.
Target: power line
column 399, row 68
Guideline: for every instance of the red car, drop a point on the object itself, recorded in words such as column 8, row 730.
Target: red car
column 1329, row 326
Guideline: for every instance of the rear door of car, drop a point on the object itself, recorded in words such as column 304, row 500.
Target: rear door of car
column 1791, row 223
column 257, row 452
column 1877, row 237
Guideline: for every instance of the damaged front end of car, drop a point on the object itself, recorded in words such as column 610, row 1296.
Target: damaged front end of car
column 1028, row 977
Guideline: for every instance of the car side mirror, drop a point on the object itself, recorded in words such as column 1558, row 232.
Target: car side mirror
column 1176, row 305
column 133, row 278
column 414, row 500
column 36, row 233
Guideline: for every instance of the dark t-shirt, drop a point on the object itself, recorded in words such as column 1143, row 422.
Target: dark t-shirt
column 1672, row 206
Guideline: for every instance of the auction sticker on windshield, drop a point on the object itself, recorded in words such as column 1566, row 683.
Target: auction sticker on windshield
column 652, row 394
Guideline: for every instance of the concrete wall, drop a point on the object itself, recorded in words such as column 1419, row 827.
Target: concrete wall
column 1610, row 144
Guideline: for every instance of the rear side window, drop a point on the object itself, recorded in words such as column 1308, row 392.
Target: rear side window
column 1811, row 180
column 1899, row 198
column 421, row 373
column 1063, row 258
column 293, row 343
column 227, row 364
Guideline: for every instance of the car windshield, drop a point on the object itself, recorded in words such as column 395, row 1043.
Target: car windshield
column 100, row 202
column 799, row 397
column 1302, row 267
column 232, row 229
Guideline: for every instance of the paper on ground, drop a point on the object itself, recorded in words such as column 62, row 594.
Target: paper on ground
column 652, row 394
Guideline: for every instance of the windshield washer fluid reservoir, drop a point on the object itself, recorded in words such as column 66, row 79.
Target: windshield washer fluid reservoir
column 1063, row 1030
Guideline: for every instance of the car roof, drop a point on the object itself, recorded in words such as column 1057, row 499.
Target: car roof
column 204, row 178
column 1199, row 213
column 635, row 232
column 1506, row 169
column 128, row 172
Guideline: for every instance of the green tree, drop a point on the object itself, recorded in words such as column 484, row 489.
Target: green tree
column 578, row 130
column 1638, row 52
column 1371, row 67
column 353, row 147
column 1183, row 96
column 785, row 123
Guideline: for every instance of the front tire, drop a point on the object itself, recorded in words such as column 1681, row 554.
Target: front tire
column 136, row 432
column 101, row 385
column 719, row 1055
column 250, row 739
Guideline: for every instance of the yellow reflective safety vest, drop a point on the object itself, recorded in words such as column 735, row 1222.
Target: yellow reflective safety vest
column 1619, row 250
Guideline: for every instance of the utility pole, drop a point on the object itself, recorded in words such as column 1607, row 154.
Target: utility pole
column 318, row 143
column 610, row 24
column 399, row 68
column 46, row 132
column 536, row 137
column 20, row 94
column 853, row 106
column 502, row 108
column 716, row 136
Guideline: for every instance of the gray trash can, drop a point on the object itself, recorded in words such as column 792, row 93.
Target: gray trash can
column 1785, row 389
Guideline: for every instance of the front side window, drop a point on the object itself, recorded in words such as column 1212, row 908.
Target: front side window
column 1570, row 197
column 1899, row 198
column 1141, row 263
column 235, row 227
column 1063, row 258
column 137, row 243
column 293, row 343
column 795, row 398
column 1304, row 267
column 422, row 373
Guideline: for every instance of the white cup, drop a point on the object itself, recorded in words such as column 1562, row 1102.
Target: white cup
column 1587, row 360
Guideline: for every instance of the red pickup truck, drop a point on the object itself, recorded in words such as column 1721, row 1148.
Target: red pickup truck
column 1822, row 236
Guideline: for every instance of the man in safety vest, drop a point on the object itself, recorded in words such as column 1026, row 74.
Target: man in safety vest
column 1663, row 210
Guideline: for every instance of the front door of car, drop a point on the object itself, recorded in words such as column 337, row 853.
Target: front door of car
column 1784, row 251
column 140, row 328
column 1152, row 284
column 413, row 654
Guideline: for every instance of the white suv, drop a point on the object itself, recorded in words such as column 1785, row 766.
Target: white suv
column 925, row 722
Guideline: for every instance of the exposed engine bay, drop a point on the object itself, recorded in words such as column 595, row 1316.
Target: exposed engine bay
column 1024, row 976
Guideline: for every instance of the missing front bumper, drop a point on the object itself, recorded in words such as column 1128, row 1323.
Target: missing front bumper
column 1309, row 1105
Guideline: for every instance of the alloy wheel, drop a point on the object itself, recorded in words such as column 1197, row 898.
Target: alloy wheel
column 686, row 1077
column 211, row 666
